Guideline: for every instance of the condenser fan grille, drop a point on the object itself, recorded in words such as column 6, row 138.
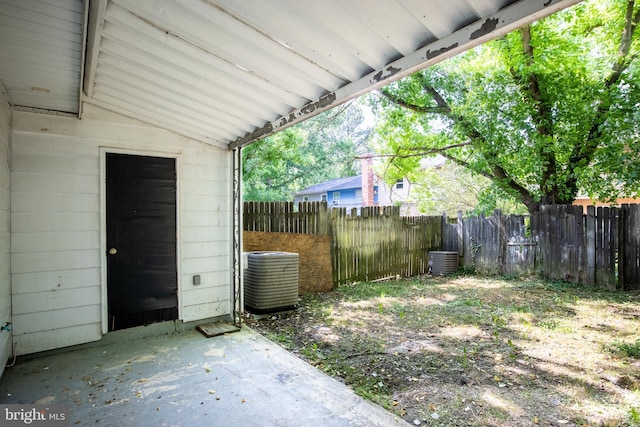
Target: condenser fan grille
column 271, row 281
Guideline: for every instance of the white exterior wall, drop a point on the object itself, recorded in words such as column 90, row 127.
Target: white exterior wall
column 388, row 196
column 317, row 197
column 58, row 226
column 5, row 238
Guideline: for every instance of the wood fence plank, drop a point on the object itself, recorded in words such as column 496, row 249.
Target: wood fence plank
column 599, row 243
column 590, row 246
column 633, row 251
column 571, row 250
column 613, row 248
column 604, row 246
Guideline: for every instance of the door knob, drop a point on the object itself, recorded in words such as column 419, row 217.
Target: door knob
column 113, row 251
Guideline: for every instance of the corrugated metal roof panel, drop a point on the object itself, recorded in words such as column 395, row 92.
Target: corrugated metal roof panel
column 272, row 56
column 41, row 52
column 230, row 71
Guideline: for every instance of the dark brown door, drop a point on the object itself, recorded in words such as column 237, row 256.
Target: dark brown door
column 141, row 240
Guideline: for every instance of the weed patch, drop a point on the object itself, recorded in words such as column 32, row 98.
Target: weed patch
column 627, row 349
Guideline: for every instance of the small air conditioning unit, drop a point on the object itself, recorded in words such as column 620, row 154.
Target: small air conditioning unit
column 271, row 281
column 443, row 262
column 336, row 202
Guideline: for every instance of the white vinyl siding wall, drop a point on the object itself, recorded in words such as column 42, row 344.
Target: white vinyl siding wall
column 57, row 223
column 205, row 183
column 5, row 241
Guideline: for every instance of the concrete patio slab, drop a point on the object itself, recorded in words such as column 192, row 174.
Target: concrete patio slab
column 185, row 379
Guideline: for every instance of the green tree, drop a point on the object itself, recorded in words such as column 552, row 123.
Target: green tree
column 546, row 112
column 319, row 149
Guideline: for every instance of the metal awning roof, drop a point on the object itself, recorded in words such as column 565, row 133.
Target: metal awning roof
column 228, row 72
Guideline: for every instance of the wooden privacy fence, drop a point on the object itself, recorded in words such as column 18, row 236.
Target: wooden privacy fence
column 280, row 217
column 373, row 244
column 497, row 244
column 600, row 248
column 379, row 244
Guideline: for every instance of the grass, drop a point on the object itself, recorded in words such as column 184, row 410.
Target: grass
column 475, row 351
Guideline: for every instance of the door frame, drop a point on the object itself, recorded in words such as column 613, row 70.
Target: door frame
column 104, row 150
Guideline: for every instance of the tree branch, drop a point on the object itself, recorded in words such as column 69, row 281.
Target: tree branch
column 581, row 155
column 465, row 164
column 526, row 198
column 442, row 104
column 421, row 152
column 622, row 62
column 543, row 114
column 497, row 173
column 415, row 108
column 533, row 85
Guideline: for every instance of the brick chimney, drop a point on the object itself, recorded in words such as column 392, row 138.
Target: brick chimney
column 366, row 163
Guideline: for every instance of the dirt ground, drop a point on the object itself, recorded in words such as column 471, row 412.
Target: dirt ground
column 472, row 351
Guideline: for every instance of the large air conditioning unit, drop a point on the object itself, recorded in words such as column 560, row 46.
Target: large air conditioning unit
column 271, row 281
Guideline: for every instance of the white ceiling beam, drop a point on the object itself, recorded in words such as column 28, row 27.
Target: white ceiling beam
column 97, row 11
column 488, row 28
column 83, row 52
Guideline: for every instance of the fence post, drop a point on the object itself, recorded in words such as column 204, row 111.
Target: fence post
column 590, row 227
column 459, row 230
column 324, row 219
column 501, row 240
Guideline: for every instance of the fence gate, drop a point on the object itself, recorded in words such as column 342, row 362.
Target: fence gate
column 496, row 244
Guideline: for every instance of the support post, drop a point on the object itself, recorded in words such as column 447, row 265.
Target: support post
column 237, row 251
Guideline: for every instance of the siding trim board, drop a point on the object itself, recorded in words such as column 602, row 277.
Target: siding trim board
column 5, row 228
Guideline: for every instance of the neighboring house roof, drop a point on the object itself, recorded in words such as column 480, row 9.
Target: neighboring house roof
column 332, row 185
